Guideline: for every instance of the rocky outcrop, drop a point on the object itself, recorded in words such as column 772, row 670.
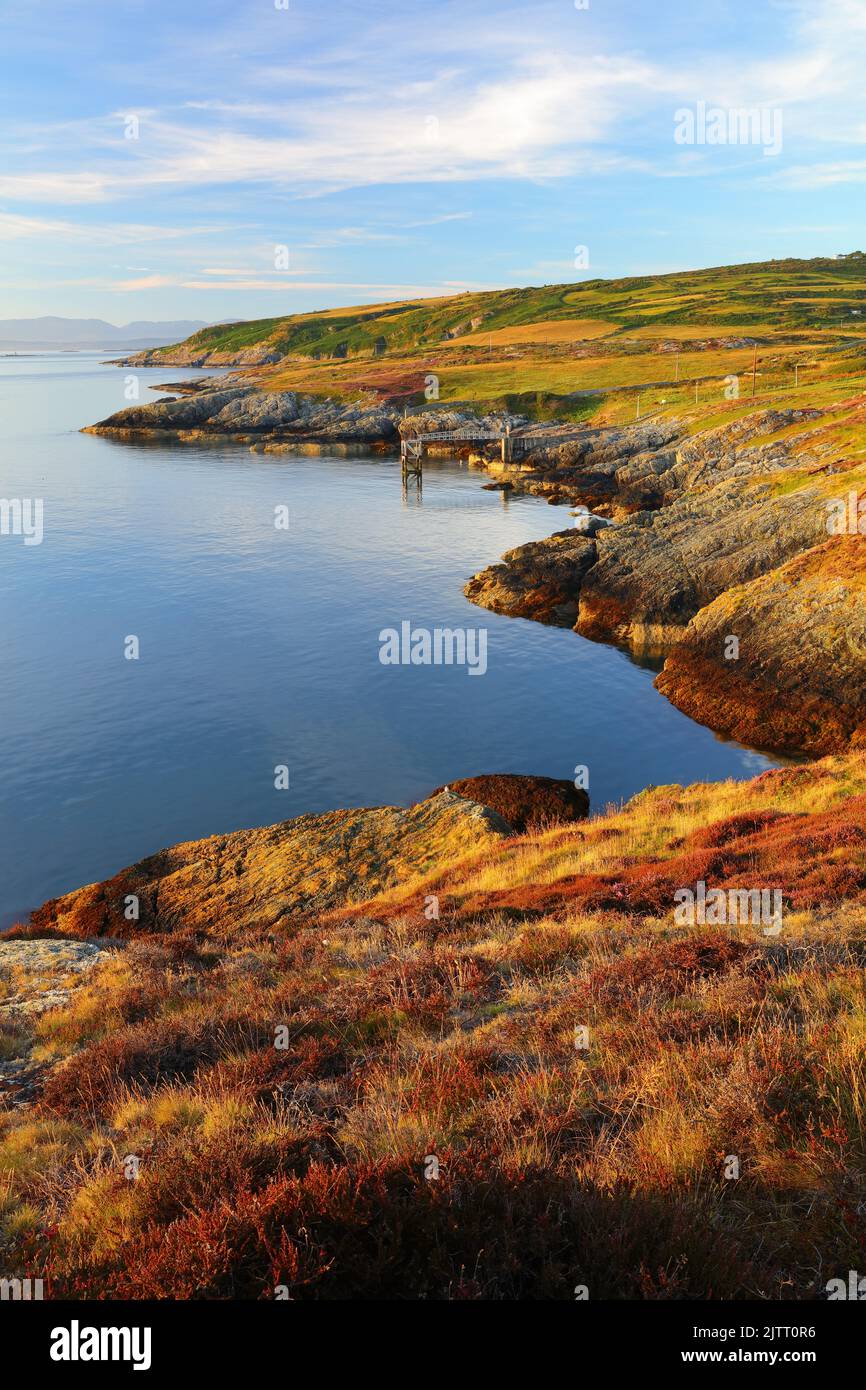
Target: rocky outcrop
column 640, row 582
column 456, row 417
column 258, row 878
column 526, row 803
column 540, row 580
column 735, row 545
column 781, row 662
column 719, row 519
column 244, row 410
column 645, row 466
column 187, row 355
column 35, row 977
column 658, row 569
column 605, row 469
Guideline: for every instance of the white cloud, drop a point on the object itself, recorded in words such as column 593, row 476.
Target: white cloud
column 14, row 226
column 515, row 108
column 145, row 282
column 53, row 187
column 250, row 282
column 407, row 291
column 820, row 174
column 540, row 118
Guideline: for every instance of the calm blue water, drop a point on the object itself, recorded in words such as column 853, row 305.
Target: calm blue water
column 261, row 647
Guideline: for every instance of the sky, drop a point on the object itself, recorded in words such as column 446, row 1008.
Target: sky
column 225, row 159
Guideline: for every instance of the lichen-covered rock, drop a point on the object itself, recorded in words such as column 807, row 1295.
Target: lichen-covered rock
column 794, row 677
column 235, row 410
column 540, row 580
column 262, row 877
column 36, row 976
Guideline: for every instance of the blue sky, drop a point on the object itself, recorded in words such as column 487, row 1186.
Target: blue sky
column 401, row 148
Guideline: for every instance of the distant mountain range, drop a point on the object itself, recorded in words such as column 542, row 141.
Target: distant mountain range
column 52, row 331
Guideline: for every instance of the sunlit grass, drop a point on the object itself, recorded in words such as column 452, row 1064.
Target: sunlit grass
column 455, row 1039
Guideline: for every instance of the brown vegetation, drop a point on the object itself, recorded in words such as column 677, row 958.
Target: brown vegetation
column 411, row 1035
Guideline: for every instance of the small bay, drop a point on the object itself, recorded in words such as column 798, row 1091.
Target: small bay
column 259, row 646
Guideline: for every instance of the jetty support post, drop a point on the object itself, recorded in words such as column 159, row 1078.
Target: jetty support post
column 507, row 445
column 411, row 458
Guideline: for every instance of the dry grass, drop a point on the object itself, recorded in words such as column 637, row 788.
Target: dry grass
column 548, row 331
column 410, row 1038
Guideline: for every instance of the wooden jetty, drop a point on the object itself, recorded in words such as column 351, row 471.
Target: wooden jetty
column 414, row 447
column 511, row 446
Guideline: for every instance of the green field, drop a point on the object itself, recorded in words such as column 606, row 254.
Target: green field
column 767, row 297
column 601, row 349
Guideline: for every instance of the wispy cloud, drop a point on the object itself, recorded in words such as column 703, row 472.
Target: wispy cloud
column 820, row 174
column 533, row 114
column 144, row 282
column 328, row 286
column 14, row 226
column 394, row 143
column 540, row 120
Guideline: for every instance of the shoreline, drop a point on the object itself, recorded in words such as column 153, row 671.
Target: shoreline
column 702, row 522
column 482, row 469
column 345, row 967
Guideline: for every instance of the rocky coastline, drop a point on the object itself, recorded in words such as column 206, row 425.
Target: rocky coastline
column 725, row 564
column 487, row 1046
column 309, row 864
column 710, row 528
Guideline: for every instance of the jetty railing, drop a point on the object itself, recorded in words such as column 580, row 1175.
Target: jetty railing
column 512, row 446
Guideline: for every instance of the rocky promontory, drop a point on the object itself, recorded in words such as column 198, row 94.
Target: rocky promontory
column 780, row 662
column 721, row 518
column 189, row 355
column 699, row 514
column 277, row 420
column 240, row 410
column 261, row 877
column 540, row 580
column 735, row 546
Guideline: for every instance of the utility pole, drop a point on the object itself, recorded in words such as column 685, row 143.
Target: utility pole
column 754, row 366
column 796, row 374
column 637, row 407
column 678, row 365
column 696, row 393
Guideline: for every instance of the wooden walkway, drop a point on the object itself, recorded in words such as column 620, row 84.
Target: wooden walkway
column 513, row 446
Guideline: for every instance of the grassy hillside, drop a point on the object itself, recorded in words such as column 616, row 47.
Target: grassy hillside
column 560, row 1164
column 601, row 350
column 803, row 296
